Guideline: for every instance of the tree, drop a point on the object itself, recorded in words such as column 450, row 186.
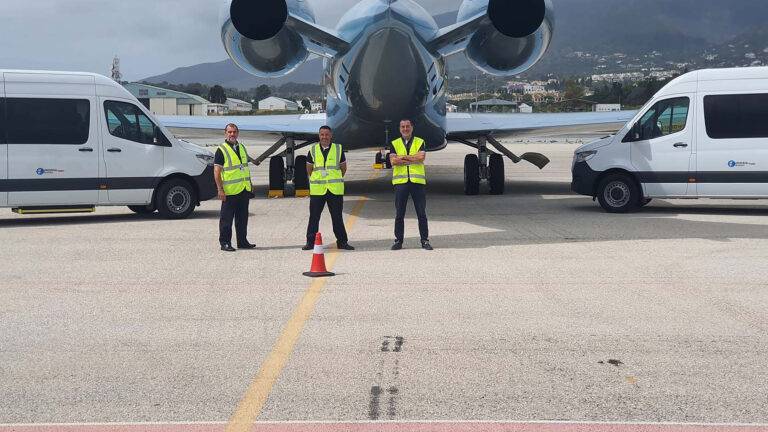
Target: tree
column 216, row 94
column 528, row 99
column 573, row 90
column 306, row 104
column 262, row 92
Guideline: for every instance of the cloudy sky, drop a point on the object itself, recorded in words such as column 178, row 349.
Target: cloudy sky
column 150, row 36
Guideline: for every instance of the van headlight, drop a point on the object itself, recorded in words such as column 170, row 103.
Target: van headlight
column 585, row 155
column 206, row 159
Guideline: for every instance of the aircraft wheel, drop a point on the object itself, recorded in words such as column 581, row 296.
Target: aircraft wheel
column 618, row 193
column 142, row 209
column 496, row 174
column 378, row 159
column 387, row 162
column 276, row 173
column 471, row 174
column 301, row 180
column 175, row 199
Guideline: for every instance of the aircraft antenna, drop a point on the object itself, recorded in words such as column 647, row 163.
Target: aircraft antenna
column 116, row 75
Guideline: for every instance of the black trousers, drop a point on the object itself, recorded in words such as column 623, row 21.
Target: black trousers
column 235, row 206
column 418, row 193
column 335, row 206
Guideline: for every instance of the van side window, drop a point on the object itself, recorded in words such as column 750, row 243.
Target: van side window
column 47, row 121
column 2, row 121
column 736, row 116
column 128, row 122
column 663, row 118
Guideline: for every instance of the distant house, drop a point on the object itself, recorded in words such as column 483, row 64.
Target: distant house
column 451, row 108
column 274, row 103
column 238, row 105
column 607, row 107
column 162, row 101
column 218, row 109
column 525, row 108
column 487, row 105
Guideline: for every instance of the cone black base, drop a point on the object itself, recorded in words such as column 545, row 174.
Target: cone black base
column 310, row 274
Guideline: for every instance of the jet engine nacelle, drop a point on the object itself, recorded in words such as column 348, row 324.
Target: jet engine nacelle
column 516, row 36
column 256, row 37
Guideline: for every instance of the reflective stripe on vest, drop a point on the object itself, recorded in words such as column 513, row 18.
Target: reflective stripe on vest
column 235, row 177
column 414, row 172
column 333, row 181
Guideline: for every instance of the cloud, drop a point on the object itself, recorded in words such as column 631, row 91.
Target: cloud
column 150, row 36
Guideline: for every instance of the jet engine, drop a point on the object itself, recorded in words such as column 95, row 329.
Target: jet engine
column 515, row 35
column 256, row 37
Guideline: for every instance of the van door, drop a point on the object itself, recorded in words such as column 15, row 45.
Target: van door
column 133, row 152
column 52, row 149
column 733, row 146
column 662, row 148
column 3, row 149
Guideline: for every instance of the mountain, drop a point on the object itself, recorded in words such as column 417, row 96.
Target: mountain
column 688, row 31
column 227, row 74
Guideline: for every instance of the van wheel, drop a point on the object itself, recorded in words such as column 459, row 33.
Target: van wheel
column 618, row 193
column 142, row 209
column 175, row 199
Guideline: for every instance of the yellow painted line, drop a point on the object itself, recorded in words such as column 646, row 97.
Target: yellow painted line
column 256, row 396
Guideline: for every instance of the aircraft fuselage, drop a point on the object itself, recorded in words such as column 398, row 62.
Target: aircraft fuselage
column 387, row 75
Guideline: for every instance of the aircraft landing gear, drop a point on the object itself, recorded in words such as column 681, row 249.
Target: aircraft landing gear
column 287, row 173
column 381, row 160
column 487, row 165
column 477, row 168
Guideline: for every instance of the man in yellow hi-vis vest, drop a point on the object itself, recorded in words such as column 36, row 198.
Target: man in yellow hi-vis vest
column 326, row 166
column 233, row 179
column 407, row 157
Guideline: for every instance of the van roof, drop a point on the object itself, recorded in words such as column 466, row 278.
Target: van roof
column 106, row 86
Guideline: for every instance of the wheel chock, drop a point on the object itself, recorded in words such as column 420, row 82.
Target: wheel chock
column 276, row 193
column 378, row 166
column 302, row 192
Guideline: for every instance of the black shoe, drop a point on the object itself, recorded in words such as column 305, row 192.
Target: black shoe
column 345, row 246
column 426, row 245
column 308, row 246
column 397, row 246
column 247, row 246
column 227, row 247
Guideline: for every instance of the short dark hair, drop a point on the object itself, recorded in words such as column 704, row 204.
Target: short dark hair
column 325, row 127
column 232, row 125
column 407, row 119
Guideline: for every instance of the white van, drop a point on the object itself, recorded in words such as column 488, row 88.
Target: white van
column 70, row 141
column 703, row 135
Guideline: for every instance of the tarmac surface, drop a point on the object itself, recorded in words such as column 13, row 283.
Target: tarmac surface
column 536, row 311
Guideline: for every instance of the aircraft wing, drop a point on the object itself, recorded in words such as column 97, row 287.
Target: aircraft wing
column 301, row 126
column 474, row 125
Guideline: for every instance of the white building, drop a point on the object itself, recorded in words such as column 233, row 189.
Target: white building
column 607, row 107
column 274, row 103
column 160, row 101
column 451, row 108
column 238, row 105
column 525, row 108
column 217, row 109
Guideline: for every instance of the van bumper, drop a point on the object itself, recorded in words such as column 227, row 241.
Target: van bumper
column 584, row 179
column 206, row 185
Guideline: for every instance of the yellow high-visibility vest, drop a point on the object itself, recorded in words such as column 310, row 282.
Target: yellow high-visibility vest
column 235, row 175
column 333, row 180
column 414, row 172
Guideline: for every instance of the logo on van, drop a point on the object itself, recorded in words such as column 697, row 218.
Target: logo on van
column 42, row 171
column 734, row 164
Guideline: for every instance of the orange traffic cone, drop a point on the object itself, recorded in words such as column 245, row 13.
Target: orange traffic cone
column 318, row 260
